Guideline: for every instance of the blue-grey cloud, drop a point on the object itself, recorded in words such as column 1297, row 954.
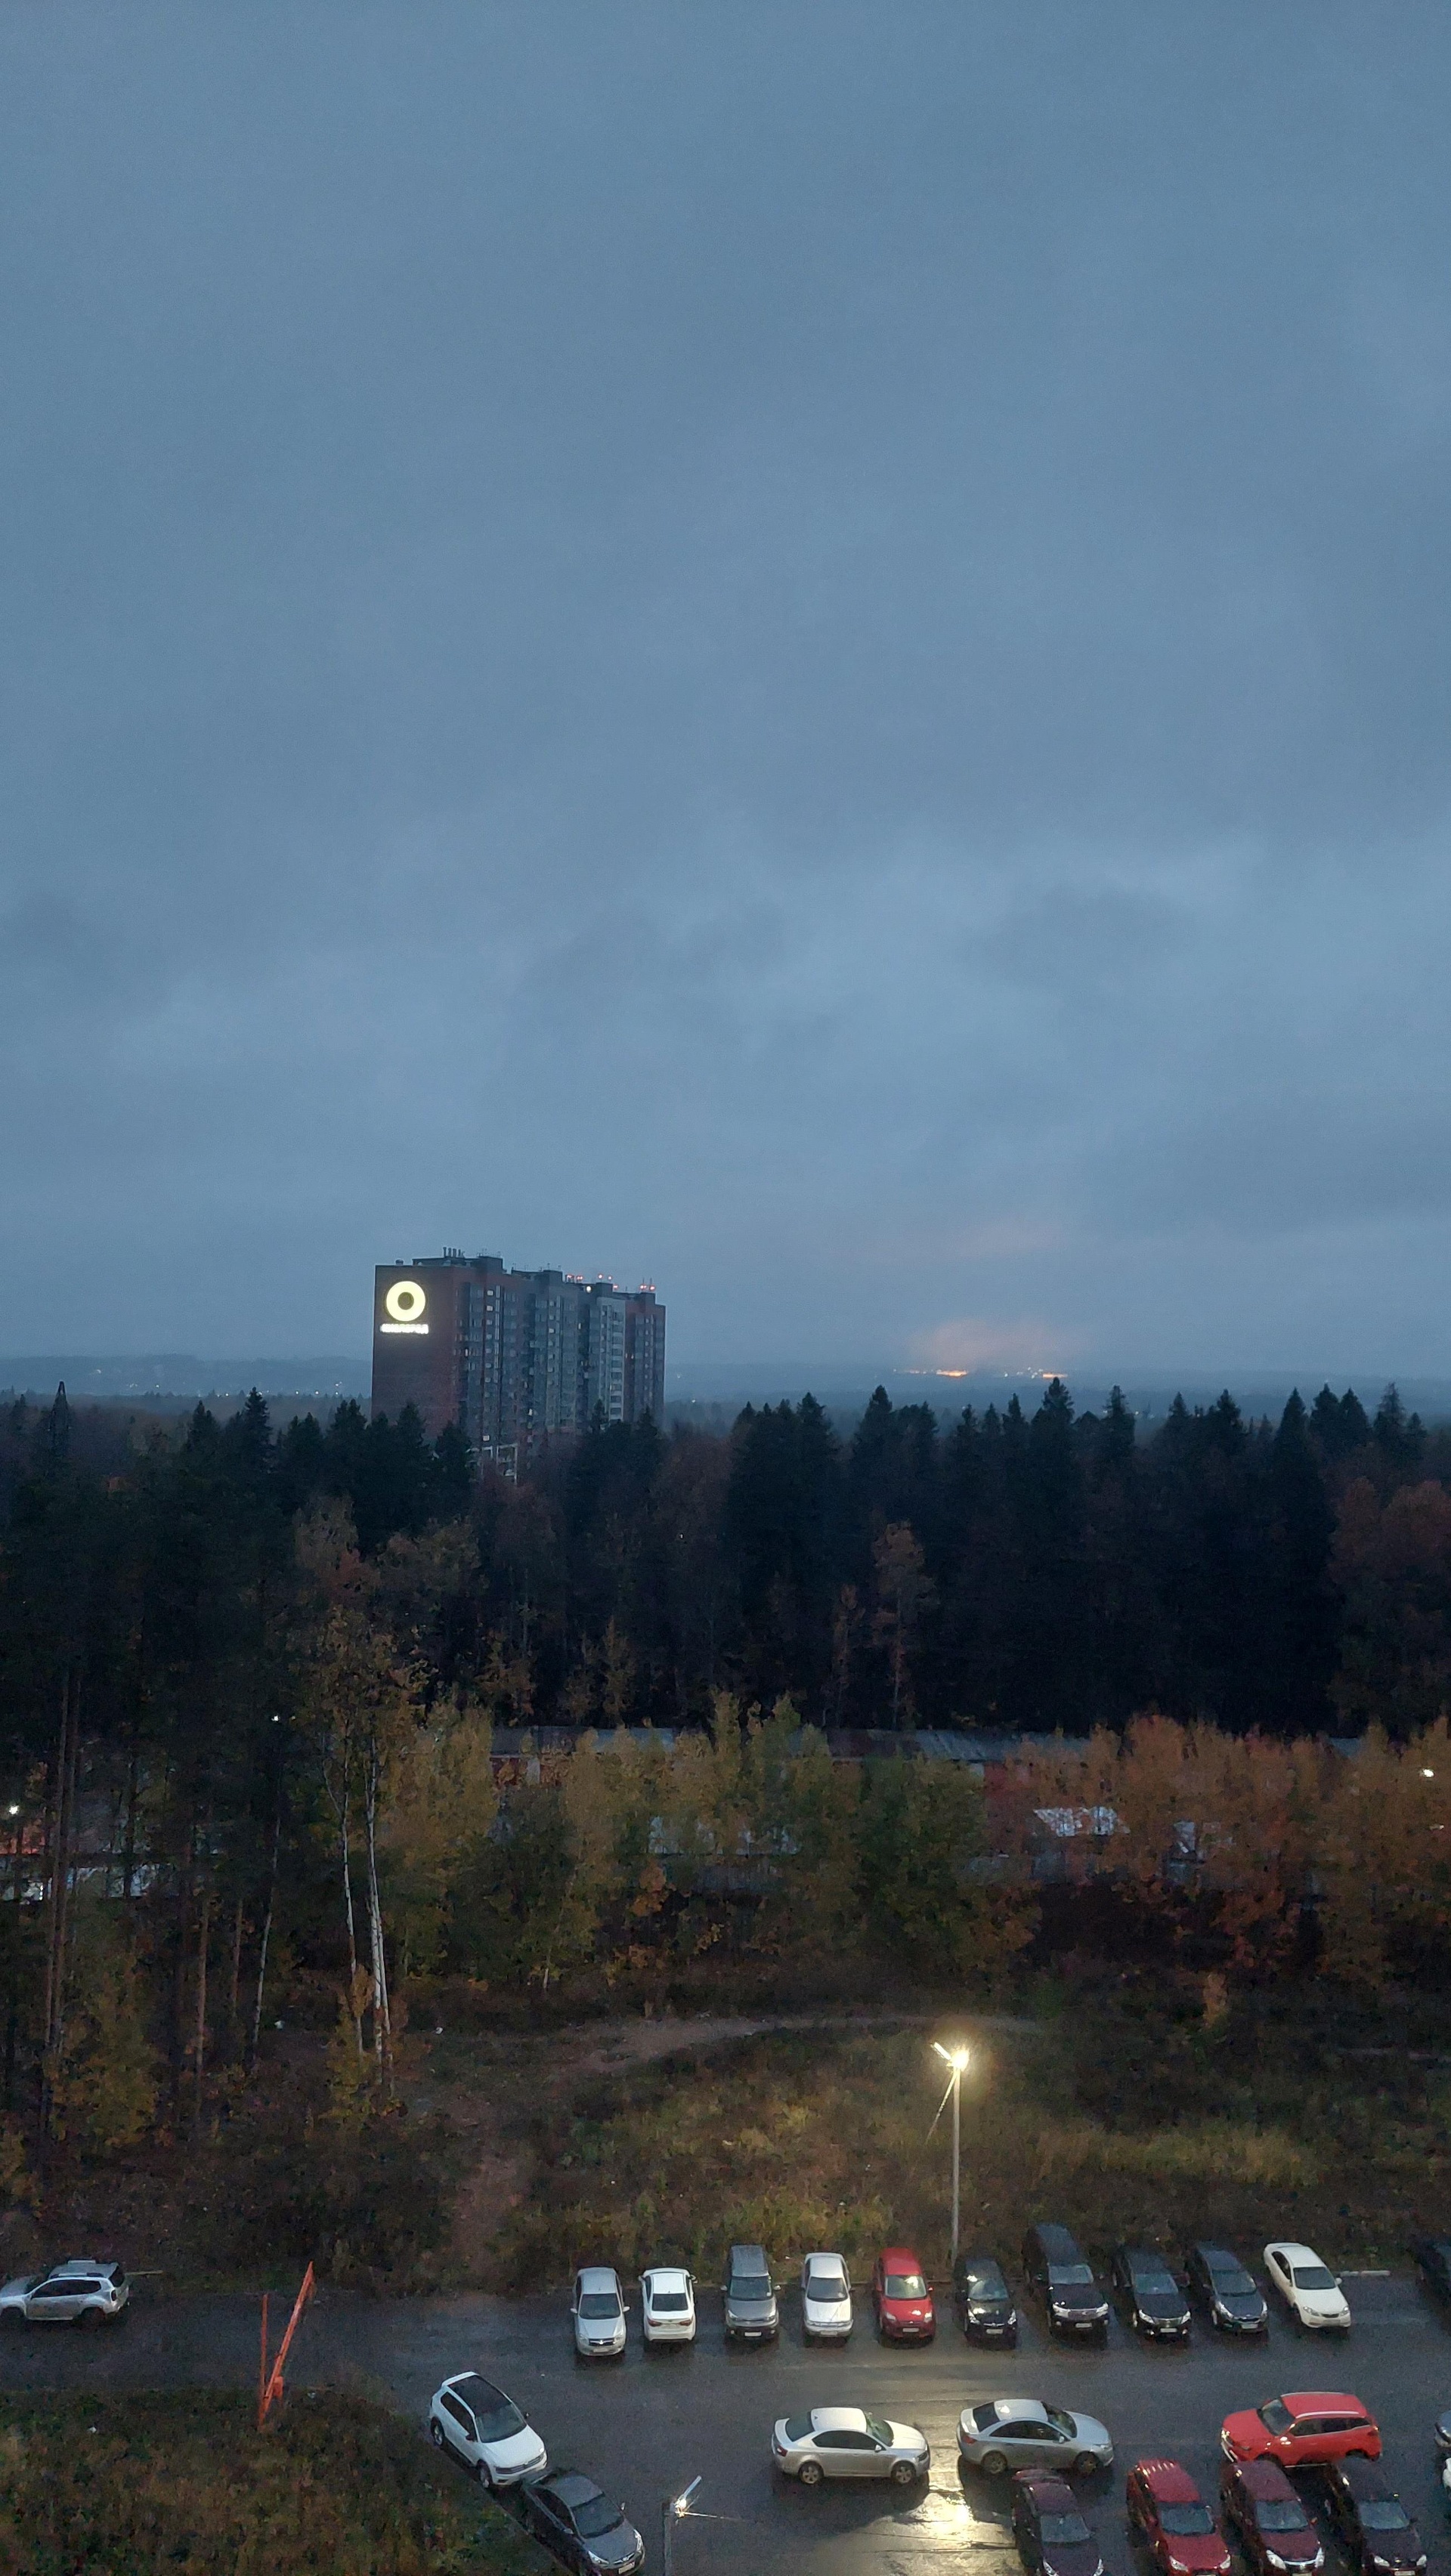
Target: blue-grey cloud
column 803, row 652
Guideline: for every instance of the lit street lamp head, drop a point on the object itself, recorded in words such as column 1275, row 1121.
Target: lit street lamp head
column 956, row 2058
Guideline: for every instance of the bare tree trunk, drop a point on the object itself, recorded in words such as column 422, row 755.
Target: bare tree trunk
column 66, row 1763
column 340, row 1801
column 266, row 1938
column 347, row 1870
column 233, row 1999
column 128, row 1857
column 382, row 2020
column 200, row 2043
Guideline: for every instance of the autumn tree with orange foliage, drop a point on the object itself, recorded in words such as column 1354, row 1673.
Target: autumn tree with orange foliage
column 1211, row 1836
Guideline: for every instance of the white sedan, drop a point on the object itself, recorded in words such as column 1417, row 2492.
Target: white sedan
column 825, row 2298
column 485, row 2430
column 1312, row 2294
column 667, row 2306
column 842, row 2442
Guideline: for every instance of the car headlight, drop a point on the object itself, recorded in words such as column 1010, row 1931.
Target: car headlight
column 1273, row 2560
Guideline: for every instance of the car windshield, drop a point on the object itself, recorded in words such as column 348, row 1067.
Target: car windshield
column 879, row 2431
column 1275, row 2415
column 1386, row 2514
column 592, row 2520
column 1064, row 2422
column 985, row 2416
column 1157, row 2284
column 1282, row 2513
column 599, row 2303
column 497, row 2416
column 1311, row 2276
column 1070, row 2276
column 1231, row 2280
column 669, row 2303
column 906, row 2285
column 1063, row 2527
column 985, row 2281
column 822, row 2283
column 751, row 2285
column 798, row 2428
column 1187, row 2521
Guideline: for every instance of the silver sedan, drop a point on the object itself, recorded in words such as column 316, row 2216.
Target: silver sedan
column 1022, row 2433
column 842, row 2442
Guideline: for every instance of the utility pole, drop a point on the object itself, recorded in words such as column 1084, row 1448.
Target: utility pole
column 673, row 2510
column 957, row 2060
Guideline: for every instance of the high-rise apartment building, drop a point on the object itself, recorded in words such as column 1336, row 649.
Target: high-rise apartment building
column 512, row 1355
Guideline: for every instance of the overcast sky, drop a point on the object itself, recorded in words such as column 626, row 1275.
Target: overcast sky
column 798, row 651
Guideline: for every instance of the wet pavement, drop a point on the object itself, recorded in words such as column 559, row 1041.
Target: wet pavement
column 647, row 2425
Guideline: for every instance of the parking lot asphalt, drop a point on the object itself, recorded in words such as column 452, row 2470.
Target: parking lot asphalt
column 646, row 2425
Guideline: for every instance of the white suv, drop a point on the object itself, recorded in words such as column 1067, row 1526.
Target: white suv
column 598, row 2310
column 667, row 2310
column 80, row 2292
column 482, row 2427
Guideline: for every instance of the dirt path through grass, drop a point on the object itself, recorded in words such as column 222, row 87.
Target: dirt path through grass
column 481, row 2103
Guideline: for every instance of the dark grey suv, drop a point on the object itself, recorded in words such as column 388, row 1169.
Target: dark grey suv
column 1064, row 2282
column 751, row 2313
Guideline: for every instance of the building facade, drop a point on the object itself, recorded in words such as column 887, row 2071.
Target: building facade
column 512, row 1355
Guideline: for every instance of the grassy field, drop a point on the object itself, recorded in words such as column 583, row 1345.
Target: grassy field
column 333, row 2488
column 1123, row 2106
column 1119, row 2118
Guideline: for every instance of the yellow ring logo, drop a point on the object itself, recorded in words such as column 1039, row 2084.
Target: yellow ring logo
column 405, row 1301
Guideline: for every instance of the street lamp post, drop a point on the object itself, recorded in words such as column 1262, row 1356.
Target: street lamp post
column 957, row 2059
column 673, row 2510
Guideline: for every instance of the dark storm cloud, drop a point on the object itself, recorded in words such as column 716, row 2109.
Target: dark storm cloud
column 800, row 651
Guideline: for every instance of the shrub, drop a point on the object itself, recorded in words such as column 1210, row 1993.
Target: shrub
column 95, row 2485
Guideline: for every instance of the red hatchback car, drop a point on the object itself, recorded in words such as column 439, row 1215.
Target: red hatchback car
column 901, row 2297
column 1302, row 2430
column 1167, row 2510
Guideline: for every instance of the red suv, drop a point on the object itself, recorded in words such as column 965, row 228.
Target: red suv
column 901, row 2297
column 1302, row 2431
column 1166, row 2507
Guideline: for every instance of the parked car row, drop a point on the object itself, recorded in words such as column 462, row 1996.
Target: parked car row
column 1154, row 2298
column 1042, row 2446
column 1046, row 2446
column 1166, row 2511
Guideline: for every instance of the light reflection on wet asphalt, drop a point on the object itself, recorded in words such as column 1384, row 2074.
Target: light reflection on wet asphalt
column 646, row 2425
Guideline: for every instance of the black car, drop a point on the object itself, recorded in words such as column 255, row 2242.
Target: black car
column 1064, row 2282
column 1377, row 2531
column 1154, row 2304
column 981, row 2296
column 1433, row 2254
column 1268, row 2519
column 1220, row 2285
column 1053, row 2538
column 578, row 2525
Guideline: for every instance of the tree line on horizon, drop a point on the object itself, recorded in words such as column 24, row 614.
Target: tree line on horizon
column 260, row 1671
column 1009, row 1571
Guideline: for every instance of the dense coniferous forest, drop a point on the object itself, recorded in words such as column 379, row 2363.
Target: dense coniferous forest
column 252, row 1679
column 1009, row 1571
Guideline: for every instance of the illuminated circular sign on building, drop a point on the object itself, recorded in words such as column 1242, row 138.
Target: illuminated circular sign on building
column 404, row 1303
